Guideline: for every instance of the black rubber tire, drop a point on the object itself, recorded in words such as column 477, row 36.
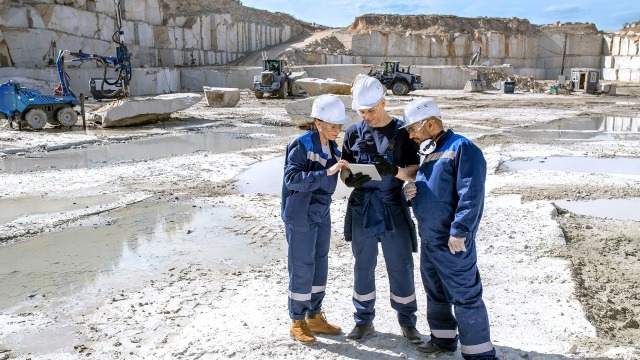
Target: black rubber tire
column 67, row 116
column 36, row 118
column 400, row 88
column 284, row 89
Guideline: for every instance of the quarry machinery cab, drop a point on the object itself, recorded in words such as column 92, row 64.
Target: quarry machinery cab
column 273, row 80
column 397, row 79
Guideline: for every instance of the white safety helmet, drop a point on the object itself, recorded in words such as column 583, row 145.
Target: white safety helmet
column 367, row 93
column 419, row 110
column 329, row 108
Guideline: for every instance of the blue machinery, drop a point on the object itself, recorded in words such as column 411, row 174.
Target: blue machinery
column 37, row 109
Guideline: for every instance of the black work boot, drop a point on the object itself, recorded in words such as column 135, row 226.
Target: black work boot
column 359, row 332
column 429, row 348
column 412, row 334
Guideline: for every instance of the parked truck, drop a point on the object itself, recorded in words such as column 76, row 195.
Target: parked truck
column 397, row 79
column 273, row 80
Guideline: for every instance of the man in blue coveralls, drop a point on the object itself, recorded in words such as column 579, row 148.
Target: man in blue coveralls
column 447, row 200
column 377, row 212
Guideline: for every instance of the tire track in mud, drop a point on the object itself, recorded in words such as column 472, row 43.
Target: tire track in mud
column 605, row 258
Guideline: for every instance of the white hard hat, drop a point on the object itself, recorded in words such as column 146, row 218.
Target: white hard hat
column 329, row 108
column 420, row 109
column 367, row 93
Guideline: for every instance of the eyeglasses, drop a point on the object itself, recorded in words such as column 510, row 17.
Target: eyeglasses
column 412, row 129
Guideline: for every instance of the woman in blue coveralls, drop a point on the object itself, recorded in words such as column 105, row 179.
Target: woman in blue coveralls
column 377, row 211
column 310, row 177
column 447, row 200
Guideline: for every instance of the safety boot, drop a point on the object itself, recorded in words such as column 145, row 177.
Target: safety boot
column 300, row 332
column 359, row 332
column 318, row 324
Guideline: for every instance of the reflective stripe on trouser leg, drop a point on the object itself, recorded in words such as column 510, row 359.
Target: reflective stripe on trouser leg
column 365, row 252
column 442, row 323
column 305, row 270
column 461, row 280
column 398, row 257
column 322, row 266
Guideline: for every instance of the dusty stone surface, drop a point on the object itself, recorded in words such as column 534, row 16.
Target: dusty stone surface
column 315, row 87
column 142, row 110
column 221, row 97
column 557, row 285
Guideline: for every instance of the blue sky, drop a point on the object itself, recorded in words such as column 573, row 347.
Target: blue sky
column 607, row 15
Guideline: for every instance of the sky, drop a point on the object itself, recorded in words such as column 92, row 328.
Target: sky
column 607, row 15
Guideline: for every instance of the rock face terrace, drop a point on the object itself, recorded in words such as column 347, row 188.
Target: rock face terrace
column 167, row 37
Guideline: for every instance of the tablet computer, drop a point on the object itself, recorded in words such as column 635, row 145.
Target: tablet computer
column 367, row 169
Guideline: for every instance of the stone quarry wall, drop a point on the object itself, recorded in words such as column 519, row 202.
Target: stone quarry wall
column 167, row 34
column 434, row 40
column 29, row 31
column 622, row 56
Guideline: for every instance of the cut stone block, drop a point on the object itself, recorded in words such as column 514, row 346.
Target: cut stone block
column 315, row 87
column 221, row 97
column 137, row 111
column 474, row 86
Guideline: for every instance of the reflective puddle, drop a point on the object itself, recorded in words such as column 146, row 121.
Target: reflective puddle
column 601, row 128
column 266, row 177
column 624, row 166
column 123, row 248
column 13, row 209
column 148, row 149
column 617, row 209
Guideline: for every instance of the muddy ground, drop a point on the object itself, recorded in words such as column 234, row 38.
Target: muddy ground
column 519, row 227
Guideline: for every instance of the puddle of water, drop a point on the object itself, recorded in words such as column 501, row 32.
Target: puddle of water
column 624, row 166
column 12, row 209
column 135, row 244
column 266, row 177
column 617, row 209
column 602, row 128
column 147, row 149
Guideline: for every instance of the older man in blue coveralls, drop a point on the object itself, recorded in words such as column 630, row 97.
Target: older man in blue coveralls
column 377, row 212
column 447, row 200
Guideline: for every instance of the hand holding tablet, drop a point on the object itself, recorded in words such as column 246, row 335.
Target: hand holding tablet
column 365, row 169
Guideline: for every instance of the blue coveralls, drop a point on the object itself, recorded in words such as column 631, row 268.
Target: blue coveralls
column 378, row 212
column 306, row 197
column 449, row 202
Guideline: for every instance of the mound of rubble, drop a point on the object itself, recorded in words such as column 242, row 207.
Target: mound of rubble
column 329, row 45
column 523, row 83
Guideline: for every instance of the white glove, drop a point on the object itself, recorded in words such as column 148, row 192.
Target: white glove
column 456, row 244
column 410, row 190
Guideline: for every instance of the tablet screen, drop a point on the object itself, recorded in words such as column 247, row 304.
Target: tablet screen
column 367, row 169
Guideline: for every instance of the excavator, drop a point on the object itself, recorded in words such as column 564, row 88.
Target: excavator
column 37, row 109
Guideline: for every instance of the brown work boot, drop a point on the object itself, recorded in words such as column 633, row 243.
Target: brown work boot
column 300, row 332
column 318, row 324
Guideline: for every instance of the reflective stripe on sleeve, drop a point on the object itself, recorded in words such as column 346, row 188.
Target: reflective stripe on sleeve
column 366, row 297
column 476, row 349
column 403, row 300
column 440, row 155
column 316, row 157
column 444, row 334
column 317, row 289
column 299, row 297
